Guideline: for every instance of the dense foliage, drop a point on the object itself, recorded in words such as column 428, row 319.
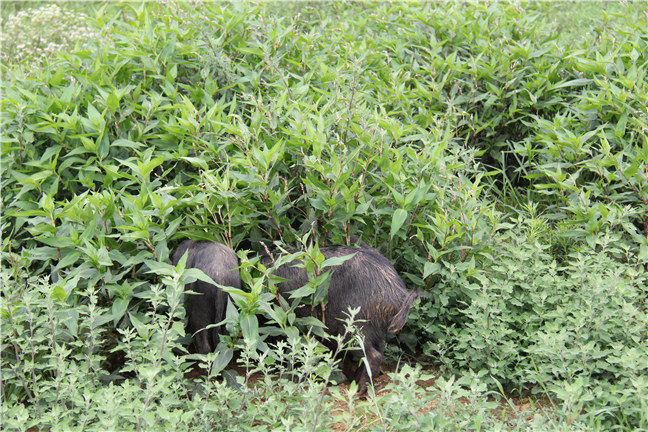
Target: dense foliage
column 502, row 167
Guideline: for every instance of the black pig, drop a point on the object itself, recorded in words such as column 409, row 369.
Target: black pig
column 220, row 263
column 368, row 281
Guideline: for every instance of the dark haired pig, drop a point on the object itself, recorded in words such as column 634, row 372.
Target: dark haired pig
column 368, row 281
column 220, row 263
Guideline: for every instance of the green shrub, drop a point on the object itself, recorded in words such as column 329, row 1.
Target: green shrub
column 58, row 370
column 58, row 375
column 575, row 331
column 501, row 169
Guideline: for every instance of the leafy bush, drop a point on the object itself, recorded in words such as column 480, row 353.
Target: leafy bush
column 501, row 169
column 575, row 331
column 59, row 364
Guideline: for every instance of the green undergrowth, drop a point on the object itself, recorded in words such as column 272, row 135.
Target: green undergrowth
column 494, row 153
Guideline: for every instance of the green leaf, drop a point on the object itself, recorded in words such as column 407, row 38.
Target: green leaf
column 112, row 102
column 303, row 291
column 161, row 268
column 89, row 144
column 119, row 308
column 146, row 169
column 93, row 114
column 142, row 329
column 102, row 319
column 223, row 358
column 579, row 82
column 643, row 253
column 194, row 273
column 620, row 128
column 126, row 143
column 57, row 78
column 70, row 318
column 59, row 293
column 277, row 314
column 67, row 260
column 430, row 268
column 231, row 313
column 632, row 169
column 249, row 327
column 336, row 261
column 103, row 258
column 398, row 219
column 197, row 162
